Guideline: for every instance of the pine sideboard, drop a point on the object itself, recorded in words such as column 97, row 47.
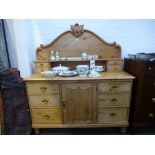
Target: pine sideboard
column 78, row 102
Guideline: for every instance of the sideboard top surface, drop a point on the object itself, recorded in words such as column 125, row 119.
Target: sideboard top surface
column 103, row 76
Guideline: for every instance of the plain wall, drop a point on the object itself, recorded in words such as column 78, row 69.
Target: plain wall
column 133, row 35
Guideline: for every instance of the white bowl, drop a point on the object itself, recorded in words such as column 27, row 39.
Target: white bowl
column 49, row 73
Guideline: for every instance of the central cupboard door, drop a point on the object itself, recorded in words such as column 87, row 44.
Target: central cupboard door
column 78, row 102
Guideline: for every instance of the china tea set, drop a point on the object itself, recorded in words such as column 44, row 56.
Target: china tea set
column 81, row 70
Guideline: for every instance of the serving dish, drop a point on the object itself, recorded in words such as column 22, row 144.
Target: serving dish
column 68, row 73
column 60, row 68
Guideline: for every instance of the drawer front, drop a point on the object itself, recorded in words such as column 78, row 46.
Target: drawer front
column 42, row 88
column 114, row 68
column 116, row 99
column 148, row 101
column 149, row 70
column 44, row 100
column 149, row 84
column 40, row 67
column 108, row 115
column 115, row 63
column 46, row 116
column 39, row 70
column 114, row 86
column 145, row 111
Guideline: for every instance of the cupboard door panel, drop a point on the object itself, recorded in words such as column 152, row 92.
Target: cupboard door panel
column 78, row 102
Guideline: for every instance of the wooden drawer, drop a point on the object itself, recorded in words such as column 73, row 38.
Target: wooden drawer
column 42, row 88
column 108, row 115
column 115, row 63
column 116, row 99
column 40, row 67
column 114, row 86
column 149, row 84
column 46, row 116
column 44, row 100
column 114, row 68
column 39, row 70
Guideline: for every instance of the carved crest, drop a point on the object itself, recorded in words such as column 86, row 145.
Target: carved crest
column 77, row 30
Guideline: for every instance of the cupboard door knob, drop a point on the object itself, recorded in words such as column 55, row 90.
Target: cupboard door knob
column 41, row 65
column 151, row 115
column 63, row 102
column 149, row 68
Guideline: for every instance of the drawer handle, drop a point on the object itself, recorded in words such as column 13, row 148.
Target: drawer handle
column 45, row 101
column 46, row 116
column 149, row 68
column 151, row 115
column 153, row 100
column 113, row 100
column 41, row 65
column 43, row 88
column 113, row 88
column 113, row 114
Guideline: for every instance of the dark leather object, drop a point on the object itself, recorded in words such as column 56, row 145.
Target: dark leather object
column 16, row 115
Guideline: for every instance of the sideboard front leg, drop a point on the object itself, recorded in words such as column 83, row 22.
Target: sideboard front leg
column 37, row 131
column 124, row 130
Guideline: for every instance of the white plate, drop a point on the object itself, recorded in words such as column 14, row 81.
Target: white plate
column 68, row 73
column 49, row 73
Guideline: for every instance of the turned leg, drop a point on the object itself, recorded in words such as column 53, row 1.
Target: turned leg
column 37, row 131
column 123, row 130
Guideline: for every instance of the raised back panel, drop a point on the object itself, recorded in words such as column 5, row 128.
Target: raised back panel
column 76, row 41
